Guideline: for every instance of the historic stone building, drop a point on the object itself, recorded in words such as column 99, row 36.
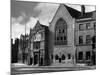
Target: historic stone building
column 69, row 29
column 67, row 39
column 62, row 35
column 38, row 41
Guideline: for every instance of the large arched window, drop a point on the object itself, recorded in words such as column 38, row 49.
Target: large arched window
column 61, row 32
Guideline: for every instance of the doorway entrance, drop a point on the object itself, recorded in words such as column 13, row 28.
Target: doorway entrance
column 31, row 61
column 36, row 59
column 41, row 62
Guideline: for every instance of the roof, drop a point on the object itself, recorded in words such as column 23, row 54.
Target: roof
column 73, row 12
column 77, row 14
column 86, row 15
column 41, row 24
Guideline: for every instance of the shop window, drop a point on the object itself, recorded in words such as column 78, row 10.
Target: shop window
column 88, row 55
column 63, row 57
column 56, row 57
column 80, row 39
column 80, row 56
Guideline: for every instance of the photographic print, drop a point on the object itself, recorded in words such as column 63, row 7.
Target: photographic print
column 52, row 37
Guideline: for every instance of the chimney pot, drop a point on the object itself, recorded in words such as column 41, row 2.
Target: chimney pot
column 82, row 9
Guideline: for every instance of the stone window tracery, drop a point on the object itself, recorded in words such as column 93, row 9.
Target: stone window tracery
column 61, row 32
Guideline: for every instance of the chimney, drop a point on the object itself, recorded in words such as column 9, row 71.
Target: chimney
column 82, row 10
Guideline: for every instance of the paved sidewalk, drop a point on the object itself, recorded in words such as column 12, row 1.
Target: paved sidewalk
column 26, row 69
column 19, row 65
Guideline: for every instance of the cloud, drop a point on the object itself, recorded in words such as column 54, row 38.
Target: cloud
column 31, row 13
column 47, row 12
column 20, row 19
column 31, row 23
column 18, row 28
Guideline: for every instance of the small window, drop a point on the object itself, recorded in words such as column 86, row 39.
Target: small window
column 57, row 38
column 36, row 47
column 51, row 56
column 80, row 26
column 94, row 25
column 80, row 56
column 69, row 56
column 64, row 37
column 63, row 57
column 63, row 31
column 59, row 30
column 88, row 25
column 56, row 57
column 88, row 39
column 80, row 39
column 61, row 38
column 93, row 42
column 88, row 55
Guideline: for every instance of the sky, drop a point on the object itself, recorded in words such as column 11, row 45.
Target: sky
column 24, row 13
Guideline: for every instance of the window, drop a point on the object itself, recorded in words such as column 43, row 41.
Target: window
column 63, row 31
column 51, row 56
column 94, row 25
column 80, row 39
column 57, row 38
column 88, row 39
column 69, row 56
column 88, row 55
column 60, row 32
column 61, row 38
column 36, row 47
column 56, row 57
column 80, row 26
column 63, row 57
column 42, row 36
column 80, row 56
column 88, row 26
column 64, row 37
column 93, row 42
